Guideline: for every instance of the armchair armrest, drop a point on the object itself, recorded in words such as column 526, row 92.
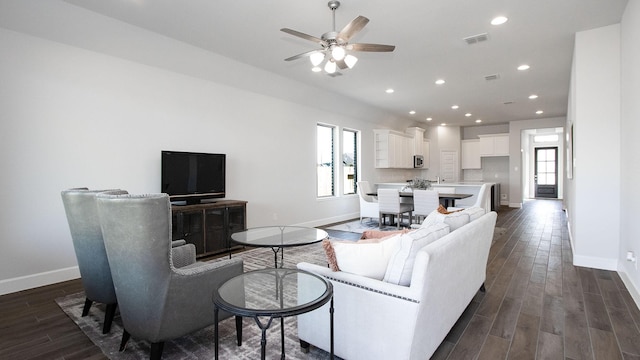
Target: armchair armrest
column 176, row 243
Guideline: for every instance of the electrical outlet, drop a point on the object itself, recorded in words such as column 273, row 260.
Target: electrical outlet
column 632, row 257
column 503, row 196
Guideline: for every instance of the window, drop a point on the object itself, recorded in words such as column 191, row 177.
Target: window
column 349, row 161
column 325, row 166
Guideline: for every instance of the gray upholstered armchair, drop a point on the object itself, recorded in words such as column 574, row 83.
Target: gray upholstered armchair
column 157, row 300
column 82, row 215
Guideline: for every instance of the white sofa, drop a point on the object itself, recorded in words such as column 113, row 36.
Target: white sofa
column 374, row 319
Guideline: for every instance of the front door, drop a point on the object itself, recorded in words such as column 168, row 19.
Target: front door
column 546, row 172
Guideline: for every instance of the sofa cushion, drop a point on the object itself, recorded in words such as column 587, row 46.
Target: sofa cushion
column 400, row 267
column 365, row 258
column 455, row 220
column 474, row 212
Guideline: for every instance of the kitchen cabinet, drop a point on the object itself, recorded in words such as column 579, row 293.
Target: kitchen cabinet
column 426, row 152
column 494, row 145
column 471, row 154
column 418, row 139
column 393, row 149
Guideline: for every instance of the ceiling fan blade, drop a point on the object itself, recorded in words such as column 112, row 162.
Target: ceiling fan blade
column 371, row 47
column 304, row 54
column 303, row 35
column 341, row 64
column 353, row 28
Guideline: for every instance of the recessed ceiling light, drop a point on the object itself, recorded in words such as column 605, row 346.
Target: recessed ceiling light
column 539, row 112
column 429, row 119
column 316, row 69
column 443, row 124
column 533, row 96
column 499, row 20
column 412, row 112
column 467, row 114
column 389, row 91
column 439, row 82
column 478, row 121
column 455, row 107
column 524, row 67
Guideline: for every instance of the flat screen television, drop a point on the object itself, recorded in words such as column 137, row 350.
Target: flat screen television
column 192, row 177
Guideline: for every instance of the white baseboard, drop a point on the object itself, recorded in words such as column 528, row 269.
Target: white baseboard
column 330, row 220
column 9, row 286
column 36, row 280
column 515, row 205
column 635, row 294
column 595, row 262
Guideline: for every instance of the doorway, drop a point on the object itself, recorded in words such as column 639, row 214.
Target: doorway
column 546, row 172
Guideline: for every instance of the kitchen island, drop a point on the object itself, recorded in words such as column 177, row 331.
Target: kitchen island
column 493, row 198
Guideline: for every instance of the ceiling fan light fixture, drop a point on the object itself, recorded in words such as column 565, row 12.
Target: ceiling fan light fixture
column 351, row 61
column 338, row 53
column 317, row 58
column 330, row 67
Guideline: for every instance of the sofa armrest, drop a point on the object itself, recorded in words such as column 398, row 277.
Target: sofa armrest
column 364, row 283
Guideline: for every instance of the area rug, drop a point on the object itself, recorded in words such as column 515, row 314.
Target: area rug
column 200, row 345
column 358, row 226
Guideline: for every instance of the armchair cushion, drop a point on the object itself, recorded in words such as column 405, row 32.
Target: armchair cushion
column 183, row 255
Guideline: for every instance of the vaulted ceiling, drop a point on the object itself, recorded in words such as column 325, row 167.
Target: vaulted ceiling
column 481, row 78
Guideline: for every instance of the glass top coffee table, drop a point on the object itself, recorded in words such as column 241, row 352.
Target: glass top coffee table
column 279, row 237
column 269, row 294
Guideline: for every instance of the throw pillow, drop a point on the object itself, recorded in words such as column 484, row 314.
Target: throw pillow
column 400, row 268
column 368, row 259
column 443, row 210
column 378, row 234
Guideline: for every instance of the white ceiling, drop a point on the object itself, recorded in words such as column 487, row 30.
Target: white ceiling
column 428, row 36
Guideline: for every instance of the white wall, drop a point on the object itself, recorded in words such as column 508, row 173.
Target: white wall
column 596, row 149
column 70, row 116
column 516, row 153
column 629, row 144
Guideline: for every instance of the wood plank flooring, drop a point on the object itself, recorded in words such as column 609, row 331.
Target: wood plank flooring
column 537, row 305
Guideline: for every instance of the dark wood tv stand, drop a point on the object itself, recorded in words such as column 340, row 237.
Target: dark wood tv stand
column 209, row 225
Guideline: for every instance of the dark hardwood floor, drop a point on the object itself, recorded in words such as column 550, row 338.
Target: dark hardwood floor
column 537, row 305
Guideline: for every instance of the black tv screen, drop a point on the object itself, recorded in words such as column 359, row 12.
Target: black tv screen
column 193, row 176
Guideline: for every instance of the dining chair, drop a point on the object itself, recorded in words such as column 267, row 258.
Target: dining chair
column 389, row 202
column 424, row 202
column 481, row 200
column 368, row 204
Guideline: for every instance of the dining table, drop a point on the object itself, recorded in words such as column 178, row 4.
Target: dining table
column 448, row 199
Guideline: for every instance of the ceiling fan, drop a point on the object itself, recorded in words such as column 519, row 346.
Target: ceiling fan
column 334, row 46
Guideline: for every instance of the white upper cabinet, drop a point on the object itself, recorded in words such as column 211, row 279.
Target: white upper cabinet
column 395, row 150
column 471, row 154
column 494, row 145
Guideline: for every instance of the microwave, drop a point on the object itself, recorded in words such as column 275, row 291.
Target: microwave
column 418, row 161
